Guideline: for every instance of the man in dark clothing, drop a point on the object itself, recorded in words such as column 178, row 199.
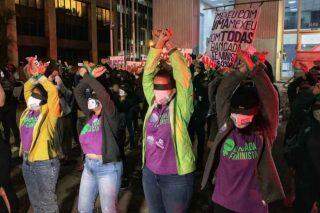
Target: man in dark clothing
column 212, row 92
column 8, row 198
column 198, row 119
column 9, row 110
column 306, row 150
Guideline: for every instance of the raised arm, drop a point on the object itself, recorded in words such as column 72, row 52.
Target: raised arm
column 79, row 94
column 53, row 96
column 149, row 73
column 28, row 87
column 269, row 99
column 2, row 96
column 182, row 77
column 102, row 94
column 224, row 94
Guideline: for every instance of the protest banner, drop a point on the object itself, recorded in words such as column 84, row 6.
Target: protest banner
column 135, row 63
column 231, row 31
column 116, row 61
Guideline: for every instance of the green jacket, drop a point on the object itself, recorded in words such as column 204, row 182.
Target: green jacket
column 180, row 108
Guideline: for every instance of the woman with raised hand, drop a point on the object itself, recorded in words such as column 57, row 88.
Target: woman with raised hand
column 168, row 160
column 245, row 176
column 99, row 141
column 41, row 165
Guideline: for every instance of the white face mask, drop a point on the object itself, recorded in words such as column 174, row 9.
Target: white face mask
column 33, row 103
column 93, row 103
column 316, row 114
column 122, row 92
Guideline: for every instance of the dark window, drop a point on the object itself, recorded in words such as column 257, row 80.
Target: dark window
column 72, row 20
column 30, row 3
column 30, row 21
column 291, row 14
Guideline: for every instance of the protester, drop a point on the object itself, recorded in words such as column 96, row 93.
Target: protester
column 8, row 198
column 41, row 165
column 103, row 167
column 8, row 112
column 168, row 160
column 306, row 149
column 64, row 123
column 199, row 116
column 247, row 112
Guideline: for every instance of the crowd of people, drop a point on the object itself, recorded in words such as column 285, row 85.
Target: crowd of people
column 166, row 107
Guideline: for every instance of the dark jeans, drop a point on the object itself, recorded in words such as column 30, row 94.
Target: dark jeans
column 65, row 137
column 167, row 193
column 197, row 128
column 130, row 127
column 41, row 179
column 306, row 184
column 9, row 123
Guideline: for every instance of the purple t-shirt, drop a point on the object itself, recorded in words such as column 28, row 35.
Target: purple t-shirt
column 26, row 129
column 236, row 185
column 160, row 155
column 91, row 136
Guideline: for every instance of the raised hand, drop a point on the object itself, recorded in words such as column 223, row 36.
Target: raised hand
column 98, row 71
column 82, row 71
column 164, row 36
column 34, row 67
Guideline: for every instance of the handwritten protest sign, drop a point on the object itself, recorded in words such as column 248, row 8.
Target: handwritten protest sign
column 116, row 61
column 230, row 31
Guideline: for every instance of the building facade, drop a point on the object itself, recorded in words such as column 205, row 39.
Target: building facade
column 285, row 26
column 74, row 30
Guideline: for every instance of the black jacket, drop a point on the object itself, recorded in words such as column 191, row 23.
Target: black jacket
column 110, row 117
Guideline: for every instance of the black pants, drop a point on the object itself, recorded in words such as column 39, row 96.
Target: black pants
column 74, row 121
column 306, row 185
column 9, row 122
column 197, row 128
column 5, row 182
column 220, row 209
column 121, row 143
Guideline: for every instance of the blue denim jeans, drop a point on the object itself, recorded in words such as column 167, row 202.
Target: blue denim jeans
column 167, row 193
column 104, row 179
column 41, row 180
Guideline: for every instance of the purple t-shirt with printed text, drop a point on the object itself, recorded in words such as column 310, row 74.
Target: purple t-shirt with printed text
column 236, row 185
column 91, row 136
column 160, row 155
column 26, row 129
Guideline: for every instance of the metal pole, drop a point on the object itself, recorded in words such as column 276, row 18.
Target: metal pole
column 299, row 25
column 137, row 30
column 133, row 29
column 111, row 28
column 121, row 26
column 126, row 32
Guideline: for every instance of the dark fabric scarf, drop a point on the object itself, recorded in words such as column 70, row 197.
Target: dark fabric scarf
column 163, row 87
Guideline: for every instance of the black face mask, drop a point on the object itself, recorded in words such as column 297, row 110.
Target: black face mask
column 163, row 87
